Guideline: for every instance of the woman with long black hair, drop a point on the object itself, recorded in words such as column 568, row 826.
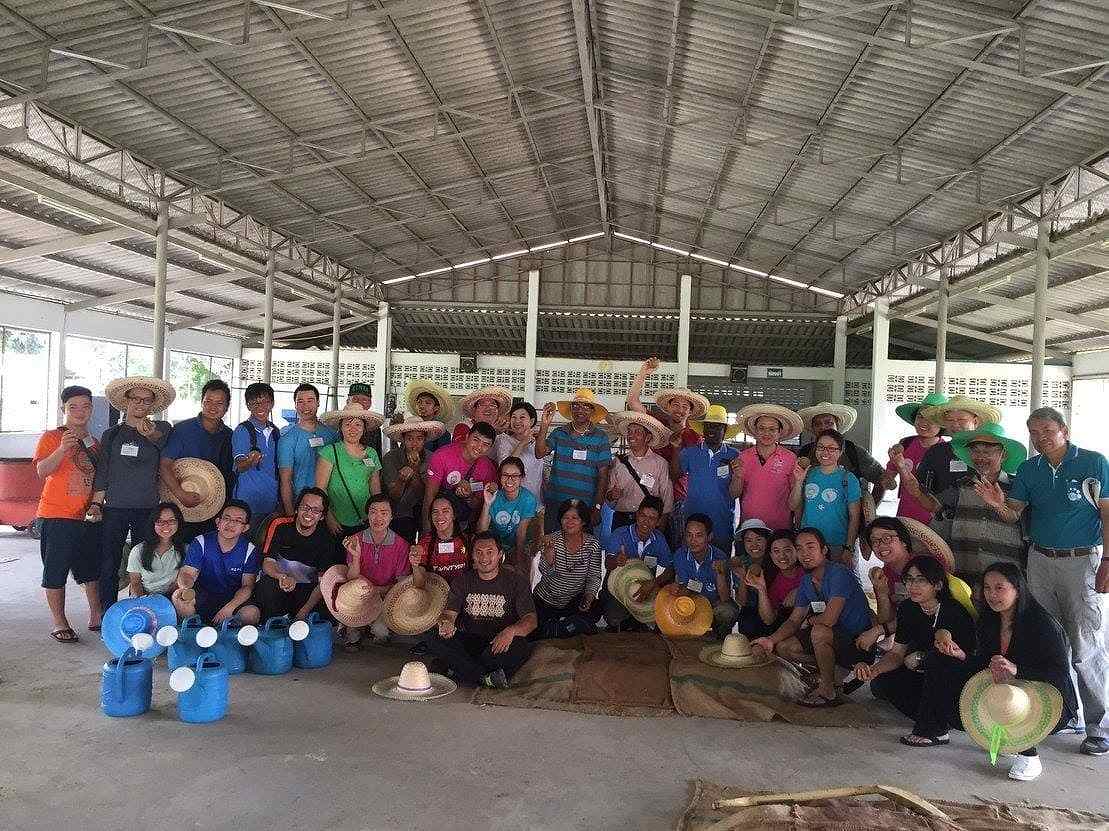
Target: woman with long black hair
column 152, row 564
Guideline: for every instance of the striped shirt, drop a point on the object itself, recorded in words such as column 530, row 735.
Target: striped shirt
column 577, row 461
column 571, row 574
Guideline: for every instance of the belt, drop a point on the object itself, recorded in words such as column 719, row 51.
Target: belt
column 1062, row 553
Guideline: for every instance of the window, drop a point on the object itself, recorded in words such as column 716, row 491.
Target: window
column 189, row 372
column 24, row 380
column 93, row 363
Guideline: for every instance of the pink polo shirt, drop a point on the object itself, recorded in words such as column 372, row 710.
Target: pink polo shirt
column 386, row 563
column 766, row 487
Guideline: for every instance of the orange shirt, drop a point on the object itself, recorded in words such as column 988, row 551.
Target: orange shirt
column 67, row 491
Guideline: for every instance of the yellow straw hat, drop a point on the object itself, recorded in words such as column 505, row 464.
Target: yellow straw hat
column 716, row 414
column 583, row 395
column 681, row 616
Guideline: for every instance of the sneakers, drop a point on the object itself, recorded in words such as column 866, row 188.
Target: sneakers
column 1074, row 728
column 1026, row 768
column 1095, row 746
column 497, row 680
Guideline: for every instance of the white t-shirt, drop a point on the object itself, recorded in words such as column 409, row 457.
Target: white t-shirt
column 163, row 569
column 533, row 467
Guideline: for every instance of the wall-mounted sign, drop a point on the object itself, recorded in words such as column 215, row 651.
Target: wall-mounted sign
column 774, row 372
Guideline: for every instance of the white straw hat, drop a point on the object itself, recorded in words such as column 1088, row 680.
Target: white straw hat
column 845, row 416
column 371, row 419
column 413, row 424
column 415, row 683
column 657, row 432
column 734, row 652
column 162, row 390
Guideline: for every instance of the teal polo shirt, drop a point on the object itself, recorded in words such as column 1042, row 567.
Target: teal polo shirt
column 297, row 451
column 1059, row 515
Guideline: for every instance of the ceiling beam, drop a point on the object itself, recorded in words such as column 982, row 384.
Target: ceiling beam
column 241, row 314
column 1022, row 346
column 584, row 35
column 12, row 135
column 70, row 242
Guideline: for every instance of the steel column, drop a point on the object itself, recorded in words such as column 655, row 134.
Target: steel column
column 267, row 323
column 879, row 373
column 1039, row 313
column 531, row 341
column 839, row 361
column 336, row 314
column 681, row 377
column 161, row 242
column 941, row 332
column 384, row 354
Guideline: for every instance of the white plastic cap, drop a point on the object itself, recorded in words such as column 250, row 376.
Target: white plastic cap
column 298, row 630
column 206, row 637
column 248, row 635
column 166, row 636
column 182, row 679
column 142, row 641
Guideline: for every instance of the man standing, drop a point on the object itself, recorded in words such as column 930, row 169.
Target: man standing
column 296, row 452
column 841, row 418
column 254, row 444
column 766, row 470
column 430, row 402
column 461, row 470
column 483, row 630
column 641, row 471
column 1064, row 489
column 216, row 579
column 940, row 468
column 711, row 466
column 486, row 406
column 582, row 455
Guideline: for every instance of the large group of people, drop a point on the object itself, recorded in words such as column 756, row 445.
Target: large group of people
column 994, row 561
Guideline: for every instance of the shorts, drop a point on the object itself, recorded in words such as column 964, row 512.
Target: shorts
column 847, row 654
column 69, row 545
column 207, row 605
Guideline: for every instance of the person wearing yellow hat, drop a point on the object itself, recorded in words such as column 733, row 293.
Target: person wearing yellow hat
column 581, row 455
column 941, row 468
column 710, row 466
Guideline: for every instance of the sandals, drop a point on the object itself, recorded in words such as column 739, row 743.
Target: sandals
column 95, row 628
column 913, row 740
column 65, row 635
column 815, row 700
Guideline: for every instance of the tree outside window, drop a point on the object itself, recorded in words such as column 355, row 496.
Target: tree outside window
column 24, row 380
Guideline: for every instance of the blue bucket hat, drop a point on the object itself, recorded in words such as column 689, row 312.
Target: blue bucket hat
column 133, row 616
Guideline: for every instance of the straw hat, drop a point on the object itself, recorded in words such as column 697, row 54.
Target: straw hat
column 1011, row 717
column 790, row 421
column 1013, row 451
column 623, row 583
column 698, row 404
column 908, row 412
column 411, row 611
column 715, row 415
column 985, row 412
column 681, row 617
column 734, row 652
column 200, row 477
column 354, row 602
column 415, row 683
column 929, row 542
column 162, row 390
column 583, row 395
column 371, row 419
column 502, row 396
column 658, row 433
column 412, row 424
column 423, row 385
column 845, row 416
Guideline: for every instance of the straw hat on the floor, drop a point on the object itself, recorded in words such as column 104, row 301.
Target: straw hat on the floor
column 1011, row 717
column 624, row 581
column 415, row 683
column 734, row 652
column 354, row 603
column 409, row 610
column 201, row 477
column 681, row 616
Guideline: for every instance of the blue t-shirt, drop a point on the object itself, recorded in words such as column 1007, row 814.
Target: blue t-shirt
column 709, row 481
column 626, row 537
column 505, row 516
column 257, row 485
column 827, row 499
column 297, row 451
column 576, row 463
column 221, row 574
column 1059, row 514
column 687, row 568
column 838, row 582
column 189, row 440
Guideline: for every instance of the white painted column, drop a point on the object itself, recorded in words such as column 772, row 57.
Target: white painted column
column 161, row 242
column 879, row 370
column 685, row 301
column 839, row 361
column 57, row 375
column 941, row 333
column 336, row 315
column 531, row 339
column 1039, row 315
column 267, row 332
column 384, row 353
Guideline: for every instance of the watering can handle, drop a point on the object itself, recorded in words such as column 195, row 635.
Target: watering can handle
column 283, row 620
column 118, row 674
column 231, row 621
column 202, row 657
column 192, row 620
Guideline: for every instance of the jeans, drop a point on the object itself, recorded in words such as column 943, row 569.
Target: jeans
column 116, row 525
column 470, row 657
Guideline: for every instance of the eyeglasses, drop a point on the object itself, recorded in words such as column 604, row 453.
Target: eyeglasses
column 882, row 540
column 914, row 580
column 511, row 476
column 310, row 509
column 230, row 520
column 165, row 522
column 827, row 448
column 144, row 400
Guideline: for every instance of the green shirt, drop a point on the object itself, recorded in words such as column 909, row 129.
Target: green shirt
column 348, row 489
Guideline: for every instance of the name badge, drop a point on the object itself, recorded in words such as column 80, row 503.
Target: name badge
column 129, row 450
column 88, row 441
column 581, row 455
column 446, row 548
column 957, row 466
column 722, row 471
column 817, row 606
column 477, row 487
column 367, row 461
column 650, row 561
column 315, row 441
column 694, row 585
column 647, row 480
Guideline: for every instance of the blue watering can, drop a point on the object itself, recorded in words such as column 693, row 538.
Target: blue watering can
column 203, row 689
column 134, row 621
column 231, row 643
column 126, row 684
column 313, row 650
column 273, row 651
column 182, row 641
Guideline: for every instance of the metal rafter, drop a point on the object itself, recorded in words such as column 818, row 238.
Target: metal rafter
column 583, row 31
column 667, row 110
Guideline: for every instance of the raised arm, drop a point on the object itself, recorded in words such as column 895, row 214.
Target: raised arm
column 636, row 389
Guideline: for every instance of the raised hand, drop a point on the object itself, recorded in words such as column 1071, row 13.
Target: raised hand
column 415, row 556
column 651, row 364
column 549, row 410
column 489, row 493
column 991, row 493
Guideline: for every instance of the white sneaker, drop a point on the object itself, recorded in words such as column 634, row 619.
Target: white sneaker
column 1026, row 768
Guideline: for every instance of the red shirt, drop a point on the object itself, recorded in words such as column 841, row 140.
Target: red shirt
column 386, row 563
column 782, row 585
column 690, row 438
column 448, row 558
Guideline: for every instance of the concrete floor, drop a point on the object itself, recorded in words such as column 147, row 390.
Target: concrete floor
column 316, row 749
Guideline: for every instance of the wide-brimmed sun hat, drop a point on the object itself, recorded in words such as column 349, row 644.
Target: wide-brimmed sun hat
column 139, row 617
column 1013, row 452
column 625, row 580
column 715, row 414
column 583, row 395
column 422, row 386
column 735, row 652
column 1011, row 717
column 985, row 412
column 415, row 683
column 334, row 418
column 682, row 617
column 658, row 434
column 927, row 541
column 908, row 412
column 790, row 421
column 409, row 610
column 355, row 603
column 203, row 478
column 502, row 396
column 845, row 416
column 413, row 424
column 698, row 404
column 162, row 390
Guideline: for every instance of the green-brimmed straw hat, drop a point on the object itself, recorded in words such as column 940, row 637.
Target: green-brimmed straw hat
column 908, row 412
column 1008, row 718
column 990, row 433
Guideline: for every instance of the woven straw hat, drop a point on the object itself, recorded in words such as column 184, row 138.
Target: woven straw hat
column 735, row 652
column 929, row 542
column 845, row 416
column 1011, row 717
column 715, row 414
column 1013, row 452
column 624, row 581
column 411, row 611
column 502, row 396
column 423, row 385
column 790, row 421
column 334, row 418
column 985, row 412
column 681, row 617
column 583, row 395
column 698, row 404
column 162, row 390
column 433, row 429
column 659, row 435
column 201, row 477
column 415, row 683
column 354, row 602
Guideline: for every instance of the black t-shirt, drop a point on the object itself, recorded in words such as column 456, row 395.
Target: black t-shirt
column 917, row 631
column 941, row 469
column 305, row 558
column 485, row 607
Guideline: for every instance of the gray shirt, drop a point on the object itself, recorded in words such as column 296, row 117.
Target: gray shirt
column 128, row 468
column 412, row 497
